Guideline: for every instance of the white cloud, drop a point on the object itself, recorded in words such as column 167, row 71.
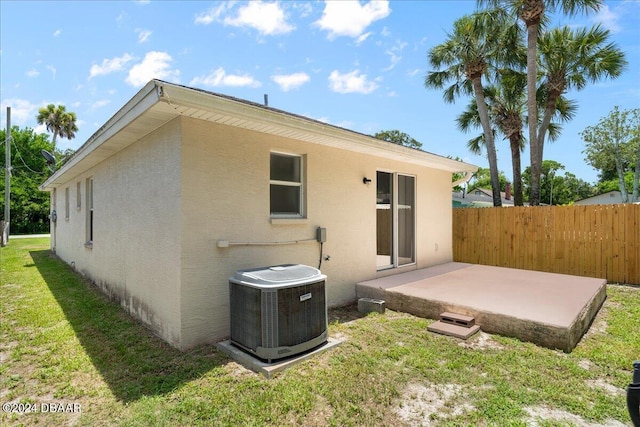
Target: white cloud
column 213, row 14
column 395, row 54
column 267, row 18
column 53, row 71
column 122, row 17
column 362, row 38
column 304, row 9
column 290, row 81
column 353, row 82
column 220, row 77
column 22, row 111
column 155, row 65
column 33, row 73
column 350, row 18
column 99, row 104
column 143, row 35
column 608, row 19
column 56, row 33
column 110, row 65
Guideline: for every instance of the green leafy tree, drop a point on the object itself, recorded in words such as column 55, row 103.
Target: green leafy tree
column 615, row 140
column 613, row 184
column 477, row 43
column 557, row 189
column 29, row 205
column 482, row 179
column 533, row 14
column 507, row 102
column 58, row 121
column 569, row 59
column 569, row 188
column 397, row 137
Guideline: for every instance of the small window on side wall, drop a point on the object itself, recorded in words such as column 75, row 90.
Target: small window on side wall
column 78, row 196
column 89, row 209
column 286, row 185
column 66, row 204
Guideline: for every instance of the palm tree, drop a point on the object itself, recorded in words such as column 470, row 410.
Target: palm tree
column 533, row 14
column 468, row 54
column 507, row 104
column 569, row 59
column 58, row 121
column 506, row 116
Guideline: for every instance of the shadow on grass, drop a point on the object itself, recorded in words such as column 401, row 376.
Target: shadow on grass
column 133, row 361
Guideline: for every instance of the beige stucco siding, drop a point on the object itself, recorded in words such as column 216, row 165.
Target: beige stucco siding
column 136, row 247
column 225, row 196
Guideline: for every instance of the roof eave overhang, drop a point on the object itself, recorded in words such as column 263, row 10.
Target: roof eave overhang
column 159, row 102
column 102, row 144
column 195, row 103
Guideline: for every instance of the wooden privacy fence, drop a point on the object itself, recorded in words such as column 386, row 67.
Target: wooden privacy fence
column 591, row 240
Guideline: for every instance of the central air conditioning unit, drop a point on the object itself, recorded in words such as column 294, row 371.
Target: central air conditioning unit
column 278, row 311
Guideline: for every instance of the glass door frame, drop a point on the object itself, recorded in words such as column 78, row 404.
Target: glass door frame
column 394, row 207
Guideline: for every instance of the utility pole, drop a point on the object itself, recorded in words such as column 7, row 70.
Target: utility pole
column 7, row 181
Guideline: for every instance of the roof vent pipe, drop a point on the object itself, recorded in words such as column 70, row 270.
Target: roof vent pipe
column 266, row 99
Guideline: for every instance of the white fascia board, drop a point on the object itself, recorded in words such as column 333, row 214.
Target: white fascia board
column 146, row 98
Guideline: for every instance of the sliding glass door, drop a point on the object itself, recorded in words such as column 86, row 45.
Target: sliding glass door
column 395, row 219
column 406, row 221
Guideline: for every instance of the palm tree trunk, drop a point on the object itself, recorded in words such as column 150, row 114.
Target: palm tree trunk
column 483, row 112
column 549, row 110
column 514, row 142
column 532, row 110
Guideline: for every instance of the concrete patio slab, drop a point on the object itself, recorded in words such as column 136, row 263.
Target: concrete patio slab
column 548, row 309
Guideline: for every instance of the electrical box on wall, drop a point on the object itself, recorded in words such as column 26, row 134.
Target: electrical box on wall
column 321, row 234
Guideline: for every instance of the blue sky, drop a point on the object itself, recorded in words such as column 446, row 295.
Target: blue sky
column 359, row 65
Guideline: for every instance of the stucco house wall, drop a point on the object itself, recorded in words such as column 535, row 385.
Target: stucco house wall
column 172, row 177
column 225, row 196
column 135, row 255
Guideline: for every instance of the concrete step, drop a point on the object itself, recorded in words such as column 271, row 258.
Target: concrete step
column 457, row 331
column 457, row 319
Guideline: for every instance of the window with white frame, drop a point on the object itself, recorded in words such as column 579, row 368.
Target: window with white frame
column 286, row 185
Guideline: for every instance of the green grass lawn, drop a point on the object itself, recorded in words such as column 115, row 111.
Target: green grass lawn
column 64, row 344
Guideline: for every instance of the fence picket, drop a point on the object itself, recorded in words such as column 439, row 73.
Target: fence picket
column 595, row 241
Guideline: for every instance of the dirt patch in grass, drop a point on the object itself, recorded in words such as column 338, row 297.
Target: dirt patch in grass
column 599, row 325
column 610, row 389
column 543, row 415
column 481, row 341
column 419, row 404
column 319, row 414
column 585, row 364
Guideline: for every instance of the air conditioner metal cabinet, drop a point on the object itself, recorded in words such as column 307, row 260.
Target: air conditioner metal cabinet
column 278, row 311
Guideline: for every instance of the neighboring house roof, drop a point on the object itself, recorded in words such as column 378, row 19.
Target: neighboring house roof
column 608, row 198
column 159, row 102
column 478, row 197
